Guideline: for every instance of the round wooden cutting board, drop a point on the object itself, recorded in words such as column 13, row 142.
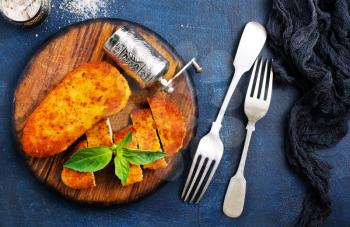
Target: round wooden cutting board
column 62, row 53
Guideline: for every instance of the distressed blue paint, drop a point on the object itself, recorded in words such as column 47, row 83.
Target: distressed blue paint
column 209, row 29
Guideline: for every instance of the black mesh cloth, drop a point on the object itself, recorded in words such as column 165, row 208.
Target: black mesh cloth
column 310, row 40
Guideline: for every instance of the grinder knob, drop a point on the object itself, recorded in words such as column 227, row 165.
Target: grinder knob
column 168, row 84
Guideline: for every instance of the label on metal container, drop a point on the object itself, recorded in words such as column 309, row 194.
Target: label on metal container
column 135, row 53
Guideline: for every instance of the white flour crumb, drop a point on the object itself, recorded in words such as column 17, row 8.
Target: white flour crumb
column 84, row 9
column 36, row 35
column 186, row 26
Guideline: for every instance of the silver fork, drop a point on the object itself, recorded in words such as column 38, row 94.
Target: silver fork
column 256, row 105
column 210, row 148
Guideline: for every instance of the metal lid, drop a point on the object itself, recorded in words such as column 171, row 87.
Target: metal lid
column 25, row 12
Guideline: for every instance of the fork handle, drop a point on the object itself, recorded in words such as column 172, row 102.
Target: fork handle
column 250, row 129
column 236, row 77
column 235, row 194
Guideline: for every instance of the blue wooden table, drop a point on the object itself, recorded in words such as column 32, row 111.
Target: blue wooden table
column 209, row 30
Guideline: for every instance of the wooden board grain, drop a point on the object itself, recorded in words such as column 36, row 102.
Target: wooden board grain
column 65, row 51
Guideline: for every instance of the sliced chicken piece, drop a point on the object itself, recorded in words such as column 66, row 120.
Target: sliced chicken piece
column 74, row 179
column 99, row 135
column 170, row 124
column 146, row 135
column 135, row 175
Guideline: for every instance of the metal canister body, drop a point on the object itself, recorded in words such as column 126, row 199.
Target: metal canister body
column 136, row 56
column 42, row 9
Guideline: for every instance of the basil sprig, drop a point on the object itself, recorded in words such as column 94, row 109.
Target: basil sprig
column 93, row 159
column 90, row 159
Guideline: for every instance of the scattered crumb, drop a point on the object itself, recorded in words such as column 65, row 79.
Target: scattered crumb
column 84, row 9
column 186, row 26
column 36, row 35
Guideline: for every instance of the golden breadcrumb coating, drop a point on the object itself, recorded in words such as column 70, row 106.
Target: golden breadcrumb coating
column 78, row 180
column 170, row 124
column 88, row 94
column 146, row 135
column 99, row 135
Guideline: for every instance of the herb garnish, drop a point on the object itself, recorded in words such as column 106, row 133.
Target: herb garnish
column 93, row 159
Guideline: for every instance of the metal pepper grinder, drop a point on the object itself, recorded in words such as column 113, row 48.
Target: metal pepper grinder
column 140, row 60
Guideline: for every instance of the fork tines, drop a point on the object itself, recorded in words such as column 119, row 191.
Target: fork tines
column 260, row 87
column 202, row 171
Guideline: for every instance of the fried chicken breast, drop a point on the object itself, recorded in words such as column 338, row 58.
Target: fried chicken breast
column 88, row 94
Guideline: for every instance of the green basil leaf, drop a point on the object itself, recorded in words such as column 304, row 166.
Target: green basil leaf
column 89, row 159
column 125, row 141
column 122, row 167
column 142, row 157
